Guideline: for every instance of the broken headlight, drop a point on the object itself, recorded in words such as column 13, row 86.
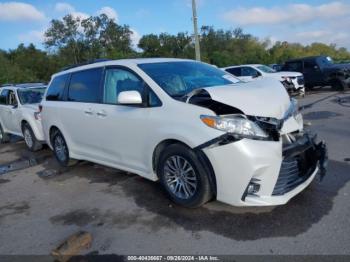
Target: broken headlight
column 235, row 124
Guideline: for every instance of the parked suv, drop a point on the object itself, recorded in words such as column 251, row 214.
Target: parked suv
column 321, row 71
column 292, row 81
column 19, row 113
column 198, row 130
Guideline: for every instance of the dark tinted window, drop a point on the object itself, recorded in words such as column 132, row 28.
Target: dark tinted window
column 85, row 86
column 56, row 88
column 309, row 64
column 294, row 66
column 235, row 71
column 3, row 96
column 249, row 71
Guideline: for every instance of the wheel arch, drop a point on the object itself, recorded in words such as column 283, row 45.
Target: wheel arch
column 204, row 160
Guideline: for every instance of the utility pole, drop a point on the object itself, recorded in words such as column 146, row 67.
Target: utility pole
column 195, row 25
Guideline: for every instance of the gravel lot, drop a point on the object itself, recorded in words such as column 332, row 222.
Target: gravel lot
column 41, row 204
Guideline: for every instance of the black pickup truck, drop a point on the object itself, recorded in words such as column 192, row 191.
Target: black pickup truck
column 320, row 71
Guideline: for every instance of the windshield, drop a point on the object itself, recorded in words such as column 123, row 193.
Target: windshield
column 266, row 69
column 30, row 95
column 180, row 78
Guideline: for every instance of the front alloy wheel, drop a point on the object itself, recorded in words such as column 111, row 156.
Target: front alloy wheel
column 180, row 177
column 184, row 177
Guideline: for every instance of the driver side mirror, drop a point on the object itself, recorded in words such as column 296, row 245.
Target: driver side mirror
column 129, row 98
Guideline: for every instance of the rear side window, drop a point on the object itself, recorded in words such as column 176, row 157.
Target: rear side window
column 85, row 86
column 56, row 88
column 234, row 71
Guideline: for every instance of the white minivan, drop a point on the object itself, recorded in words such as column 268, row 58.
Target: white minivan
column 198, row 130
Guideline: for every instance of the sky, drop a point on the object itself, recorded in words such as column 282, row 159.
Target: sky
column 293, row 21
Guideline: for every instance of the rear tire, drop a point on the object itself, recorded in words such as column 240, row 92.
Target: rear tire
column 183, row 176
column 32, row 143
column 4, row 137
column 61, row 150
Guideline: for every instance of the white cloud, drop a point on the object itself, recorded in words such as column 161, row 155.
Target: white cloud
column 135, row 38
column 18, row 11
column 35, row 37
column 80, row 15
column 109, row 11
column 64, row 8
column 294, row 13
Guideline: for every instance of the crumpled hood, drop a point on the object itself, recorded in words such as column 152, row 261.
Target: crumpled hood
column 264, row 98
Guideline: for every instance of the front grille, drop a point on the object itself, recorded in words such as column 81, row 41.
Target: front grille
column 294, row 171
column 300, row 80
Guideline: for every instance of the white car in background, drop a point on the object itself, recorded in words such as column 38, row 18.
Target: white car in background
column 19, row 114
column 198, row 130
column 292, row 81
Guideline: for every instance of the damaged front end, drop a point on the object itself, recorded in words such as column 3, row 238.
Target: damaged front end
column 301, row 157
column 283, row 163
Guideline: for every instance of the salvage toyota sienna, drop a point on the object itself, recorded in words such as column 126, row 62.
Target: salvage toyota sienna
column 196, row 129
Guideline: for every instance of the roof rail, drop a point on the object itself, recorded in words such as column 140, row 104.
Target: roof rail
column 85, row 63
column 34, row 84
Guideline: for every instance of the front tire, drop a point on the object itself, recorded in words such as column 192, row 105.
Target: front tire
column 60, row 149
column 32, row 143
column 183, row 176
column 4, row 137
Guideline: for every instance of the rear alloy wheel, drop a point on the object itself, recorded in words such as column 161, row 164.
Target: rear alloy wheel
column 183, row 176
column 4, row 137
column 32, row 143
column 60, row 150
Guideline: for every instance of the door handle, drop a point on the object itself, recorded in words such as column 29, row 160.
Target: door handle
column 88, row 111
column 102, row 113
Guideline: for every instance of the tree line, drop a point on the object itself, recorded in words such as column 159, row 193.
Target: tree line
column 72, row 40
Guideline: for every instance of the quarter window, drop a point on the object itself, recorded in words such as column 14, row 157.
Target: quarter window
column 56, row 88
column 85, row 86
column 118, row 80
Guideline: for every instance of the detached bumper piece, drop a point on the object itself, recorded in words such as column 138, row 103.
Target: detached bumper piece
column 289, row 86
column 300, row 161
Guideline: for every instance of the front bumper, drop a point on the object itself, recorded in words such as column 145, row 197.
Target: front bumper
column 281, row 171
